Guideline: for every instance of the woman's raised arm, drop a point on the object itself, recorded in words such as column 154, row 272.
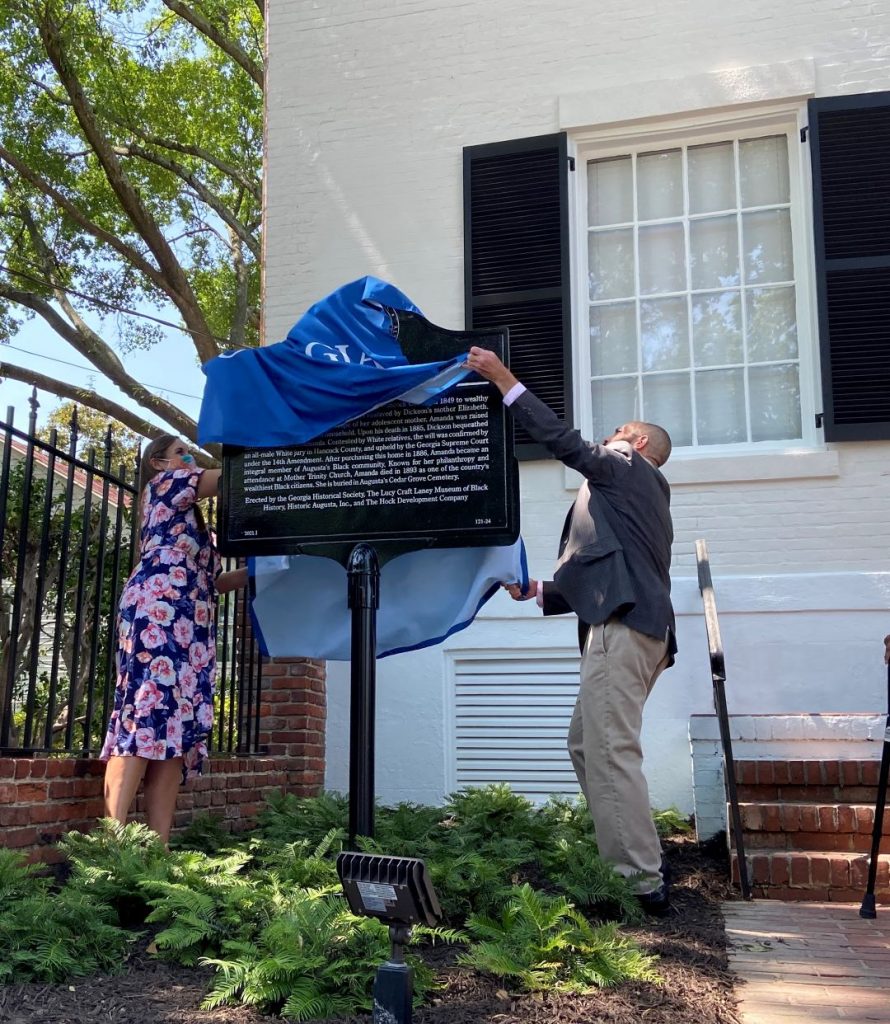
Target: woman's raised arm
column 208, row 485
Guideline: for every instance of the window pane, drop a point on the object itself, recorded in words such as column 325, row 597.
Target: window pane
column 613, row 339
column 717, row 329
column 720, row 406
column 660, row 185
column 664, row 334
column 609, row 191
column 667, row 402
column 678, row 239
column 711, row 178
column 611, row 264
column 662, row 259
column 775, row 402
column 772, row 324
column 614, row 402
column 767, row 241
column 714, row 252
column 763, row 170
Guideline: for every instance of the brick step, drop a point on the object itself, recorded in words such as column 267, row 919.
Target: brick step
column 813, row 842
column 796, row 818
column 850, row 780
column 809, row 875
column 808, row 794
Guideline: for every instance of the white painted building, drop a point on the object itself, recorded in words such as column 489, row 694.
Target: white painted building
column 691, row 285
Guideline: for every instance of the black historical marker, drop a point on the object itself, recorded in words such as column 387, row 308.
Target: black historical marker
column 442, row 474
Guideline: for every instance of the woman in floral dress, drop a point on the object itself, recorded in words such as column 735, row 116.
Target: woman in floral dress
column 166, row 661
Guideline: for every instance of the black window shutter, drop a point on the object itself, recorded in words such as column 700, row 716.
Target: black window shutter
column 850, row 141
column 516, row 262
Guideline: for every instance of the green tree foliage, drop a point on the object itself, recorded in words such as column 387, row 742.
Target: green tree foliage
column 92, row 432
column 130, row 177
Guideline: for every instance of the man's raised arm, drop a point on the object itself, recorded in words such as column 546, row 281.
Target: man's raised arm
column 592, row 460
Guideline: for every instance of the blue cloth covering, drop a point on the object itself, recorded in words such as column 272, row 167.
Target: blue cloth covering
column 300, row 608
column 340, row 360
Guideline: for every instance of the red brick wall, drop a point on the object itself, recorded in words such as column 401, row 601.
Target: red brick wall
column 293, row 712
column 43, row 797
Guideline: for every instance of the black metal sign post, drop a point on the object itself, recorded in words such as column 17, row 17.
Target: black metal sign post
column 363, row 571
column 867, row 909
column 399, row 479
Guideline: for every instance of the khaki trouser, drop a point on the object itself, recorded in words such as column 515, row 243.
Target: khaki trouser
column 618, row 670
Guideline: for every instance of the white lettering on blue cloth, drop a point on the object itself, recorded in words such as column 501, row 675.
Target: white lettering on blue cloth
column 340, row 360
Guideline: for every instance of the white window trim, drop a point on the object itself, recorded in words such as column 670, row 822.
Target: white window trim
column 754, row 460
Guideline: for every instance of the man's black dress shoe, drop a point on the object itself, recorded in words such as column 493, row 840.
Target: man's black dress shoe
column 658, row 902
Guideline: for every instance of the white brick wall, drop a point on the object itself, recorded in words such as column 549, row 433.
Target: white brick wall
column 369, row 107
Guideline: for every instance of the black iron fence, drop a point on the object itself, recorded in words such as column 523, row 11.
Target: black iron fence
column 67, row 546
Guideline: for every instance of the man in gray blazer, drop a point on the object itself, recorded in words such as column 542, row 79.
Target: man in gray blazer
column 613, row 573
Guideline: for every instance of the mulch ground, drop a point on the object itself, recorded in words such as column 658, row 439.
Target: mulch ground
column 697, row 986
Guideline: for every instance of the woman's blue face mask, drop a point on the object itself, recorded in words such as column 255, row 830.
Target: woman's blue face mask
column 184, row 457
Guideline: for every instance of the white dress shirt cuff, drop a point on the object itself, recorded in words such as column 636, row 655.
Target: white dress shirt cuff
column 514, row 393
column 539, row 596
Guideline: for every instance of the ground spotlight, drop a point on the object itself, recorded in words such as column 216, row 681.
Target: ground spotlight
column 397, row 891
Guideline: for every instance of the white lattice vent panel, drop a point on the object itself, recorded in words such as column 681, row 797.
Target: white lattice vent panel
column 511, row 719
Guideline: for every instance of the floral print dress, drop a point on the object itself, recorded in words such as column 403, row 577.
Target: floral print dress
column 166, row 660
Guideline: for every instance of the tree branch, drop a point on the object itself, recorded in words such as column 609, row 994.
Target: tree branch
column 229, row 170
column 201, row 190
column 85, row 341
column 229, row 46
column 237, row 336
column 92, row 400
column 178, row 288
column 83, row 396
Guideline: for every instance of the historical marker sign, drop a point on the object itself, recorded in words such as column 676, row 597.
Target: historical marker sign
column 441, row 474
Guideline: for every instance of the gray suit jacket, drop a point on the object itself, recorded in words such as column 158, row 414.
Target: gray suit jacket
column 615, row 550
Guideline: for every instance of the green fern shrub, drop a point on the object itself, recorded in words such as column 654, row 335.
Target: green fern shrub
column 289, row 819
column 48, row 936
column 297, row 864
column 314, row 960
column 470, row 882
column 671, row 822
column 569, row 819
column 111, row 863
column 541, row 943
column 206, row 833
column 495, row 813
column 17, row 878
column 409, row 830
column 577, row 870
column 205, row 901
column 268, row 914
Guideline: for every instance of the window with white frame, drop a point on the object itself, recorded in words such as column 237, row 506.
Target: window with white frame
column 691, row 290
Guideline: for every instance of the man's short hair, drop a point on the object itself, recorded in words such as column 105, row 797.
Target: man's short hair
column 659, row 446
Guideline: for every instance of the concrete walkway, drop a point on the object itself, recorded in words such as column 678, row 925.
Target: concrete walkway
column 811, row 962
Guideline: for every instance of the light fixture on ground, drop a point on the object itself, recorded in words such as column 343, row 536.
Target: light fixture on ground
column 397, row 891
